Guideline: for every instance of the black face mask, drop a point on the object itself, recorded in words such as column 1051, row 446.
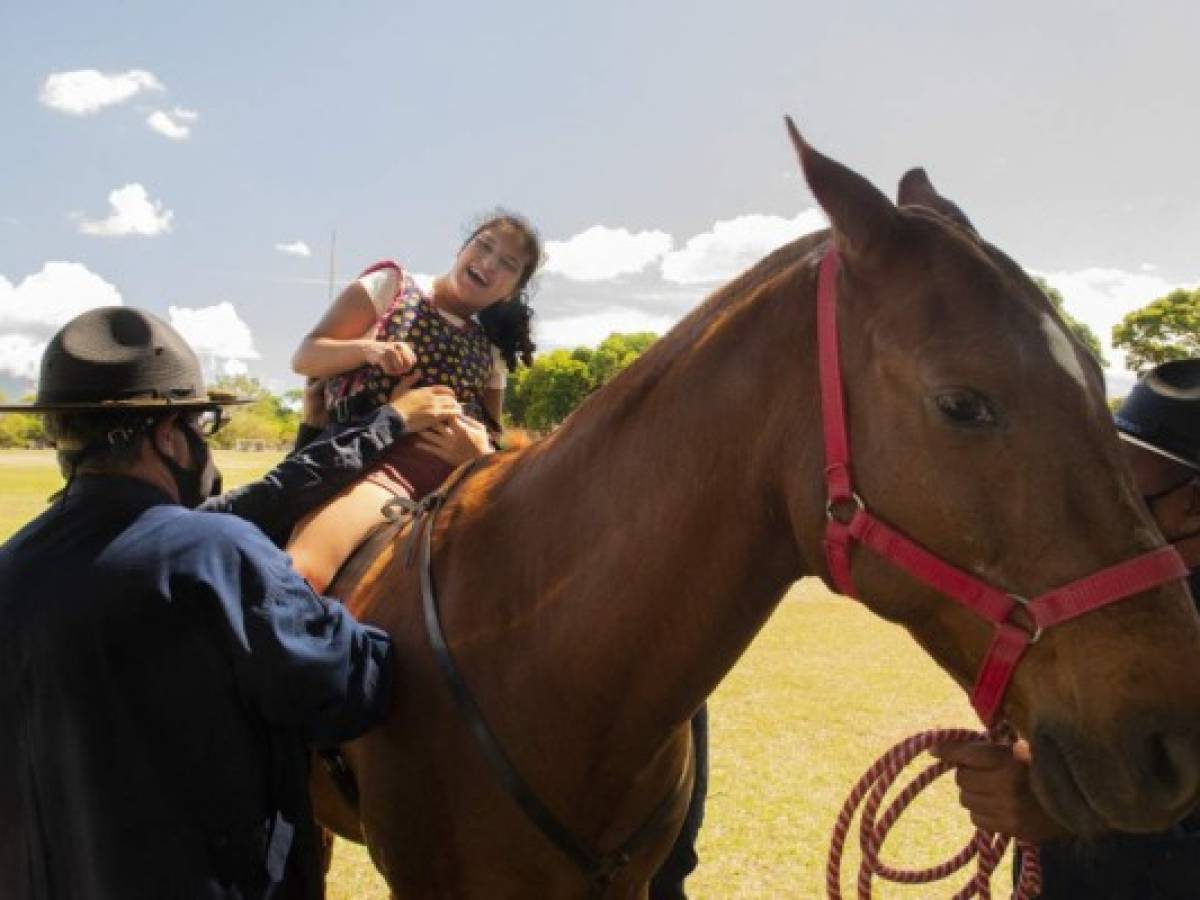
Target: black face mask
column 197, row 484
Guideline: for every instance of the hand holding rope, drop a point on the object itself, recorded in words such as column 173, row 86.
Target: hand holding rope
column 985, row 847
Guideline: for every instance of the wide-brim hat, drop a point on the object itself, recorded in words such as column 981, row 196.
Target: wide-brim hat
column 118, row 357
column 1162, row 412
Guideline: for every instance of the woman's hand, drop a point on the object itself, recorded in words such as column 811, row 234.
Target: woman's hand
column 457, row 441
column 424, row 408
column 394, row 357
column 994, row 787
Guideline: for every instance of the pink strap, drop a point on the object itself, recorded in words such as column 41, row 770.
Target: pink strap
column 1108, row 585
column 382, row 319
column 837, row 557
column 833, row 417
column 837, row 445
column 379, row 267
column 996, row 671
column 991, row 603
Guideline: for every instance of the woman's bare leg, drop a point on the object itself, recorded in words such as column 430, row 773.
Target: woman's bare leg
column 324, row 539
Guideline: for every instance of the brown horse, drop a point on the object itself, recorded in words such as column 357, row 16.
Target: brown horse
column 596, row 587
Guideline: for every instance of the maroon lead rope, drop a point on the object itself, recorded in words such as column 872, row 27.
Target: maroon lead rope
column 1009, row 640
column 873, row 829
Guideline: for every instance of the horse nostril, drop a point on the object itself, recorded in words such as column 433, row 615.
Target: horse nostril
column 1171, row 772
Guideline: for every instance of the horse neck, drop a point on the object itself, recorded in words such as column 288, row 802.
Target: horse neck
column 656, row 536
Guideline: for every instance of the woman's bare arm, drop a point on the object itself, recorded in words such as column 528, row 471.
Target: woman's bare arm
column 343, row 340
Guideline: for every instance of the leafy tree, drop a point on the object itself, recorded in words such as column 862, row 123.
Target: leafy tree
column 292, row 399
column 553, row 387
column 1166, row 329
column 542, row 396
column 616, row 352
column 516, row 396
column 242, row 386
column 19, row 429
column 268, row 418
column 1081, row 329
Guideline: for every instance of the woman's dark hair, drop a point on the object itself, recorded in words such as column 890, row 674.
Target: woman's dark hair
column 508, row 323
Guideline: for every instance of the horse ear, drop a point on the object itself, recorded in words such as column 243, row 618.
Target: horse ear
column 917, row 190
column 861, row 216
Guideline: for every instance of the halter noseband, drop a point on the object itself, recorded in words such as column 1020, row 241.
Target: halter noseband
column 1009, row 640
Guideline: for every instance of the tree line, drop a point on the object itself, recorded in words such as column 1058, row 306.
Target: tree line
column 541, row 396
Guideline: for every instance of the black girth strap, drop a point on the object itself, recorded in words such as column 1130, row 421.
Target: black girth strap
column 600, row 869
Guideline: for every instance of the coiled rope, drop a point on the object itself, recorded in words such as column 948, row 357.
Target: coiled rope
column 983, row 846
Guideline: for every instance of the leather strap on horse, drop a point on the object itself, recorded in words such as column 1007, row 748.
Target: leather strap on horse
column 598, row 868
column 848, row 520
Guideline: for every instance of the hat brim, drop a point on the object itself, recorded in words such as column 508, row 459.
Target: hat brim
column 1166, row 454
column 141, row 403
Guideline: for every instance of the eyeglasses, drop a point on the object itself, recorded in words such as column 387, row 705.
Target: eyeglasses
column 209, row 421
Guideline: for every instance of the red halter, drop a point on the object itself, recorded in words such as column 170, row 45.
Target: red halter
column 1009, row 641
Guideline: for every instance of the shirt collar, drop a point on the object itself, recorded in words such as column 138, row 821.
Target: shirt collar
column 119, row 488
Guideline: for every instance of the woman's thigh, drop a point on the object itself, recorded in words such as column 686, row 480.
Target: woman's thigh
column 325, row 538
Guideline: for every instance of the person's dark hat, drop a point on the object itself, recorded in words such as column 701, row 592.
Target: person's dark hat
column 1162, row 412
column 117, row 357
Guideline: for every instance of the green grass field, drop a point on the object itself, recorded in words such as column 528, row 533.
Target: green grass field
column 824, row 690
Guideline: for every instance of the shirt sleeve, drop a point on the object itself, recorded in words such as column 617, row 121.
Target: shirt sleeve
column 300, row 659
column 381, row 286
column 498, row 375
column 311, row 475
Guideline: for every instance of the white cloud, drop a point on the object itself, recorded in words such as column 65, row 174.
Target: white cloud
column 600, row 253
column 133, row 212
column 733, row 245
column 295, row 248
column 1100, row 297
column 185, row 115
column 52, row 297
column 42, row 303
column 234, row 368
column 217, row 334
column 20, row 355
column 589, row 329
column 168, row 127
column 85, row 92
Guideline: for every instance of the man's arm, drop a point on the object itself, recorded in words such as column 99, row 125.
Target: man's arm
column 312, row 474
column 302, row 659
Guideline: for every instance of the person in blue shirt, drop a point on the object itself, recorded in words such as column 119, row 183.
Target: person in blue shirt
column 1159, row 423
column 164, row 670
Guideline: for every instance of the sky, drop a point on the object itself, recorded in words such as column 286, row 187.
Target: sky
column 198, row 159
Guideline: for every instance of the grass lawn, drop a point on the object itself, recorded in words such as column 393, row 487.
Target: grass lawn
column 823, row 691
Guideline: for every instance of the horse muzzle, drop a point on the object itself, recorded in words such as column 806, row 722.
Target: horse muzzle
column 1145, row 783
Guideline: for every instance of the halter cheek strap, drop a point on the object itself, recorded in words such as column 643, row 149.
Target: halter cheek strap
column 849, row 520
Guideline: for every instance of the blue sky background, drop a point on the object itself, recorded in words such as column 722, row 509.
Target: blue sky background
column 644, row 139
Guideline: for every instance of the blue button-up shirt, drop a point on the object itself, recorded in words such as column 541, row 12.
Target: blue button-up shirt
column 161, row 671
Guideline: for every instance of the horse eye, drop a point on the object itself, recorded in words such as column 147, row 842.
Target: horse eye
column 964, row 407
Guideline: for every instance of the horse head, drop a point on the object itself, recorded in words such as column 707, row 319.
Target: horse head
column 978, row 427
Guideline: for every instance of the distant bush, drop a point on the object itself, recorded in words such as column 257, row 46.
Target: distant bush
column 541, row 396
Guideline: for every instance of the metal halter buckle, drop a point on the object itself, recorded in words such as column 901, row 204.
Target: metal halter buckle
column 854, row 499
column 1023, row 602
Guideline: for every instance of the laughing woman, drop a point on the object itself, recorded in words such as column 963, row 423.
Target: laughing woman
column 384, row 334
